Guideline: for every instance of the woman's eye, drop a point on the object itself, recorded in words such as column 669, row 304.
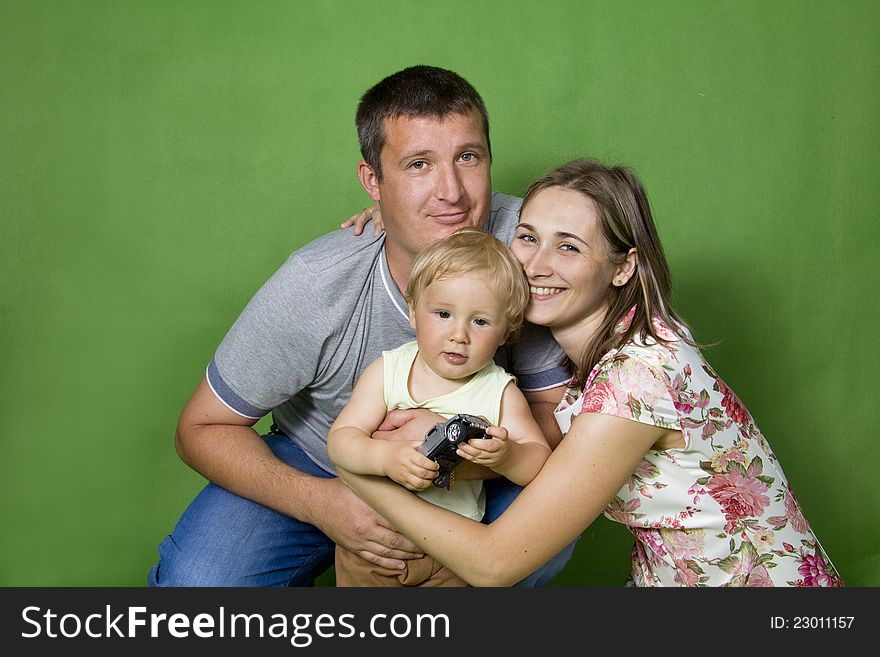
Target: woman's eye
column 569, row 247
column 526, row 238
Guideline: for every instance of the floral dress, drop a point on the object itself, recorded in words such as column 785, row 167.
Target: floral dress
column 717, row 512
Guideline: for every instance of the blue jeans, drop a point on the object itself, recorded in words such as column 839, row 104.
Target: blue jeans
column 226, row 540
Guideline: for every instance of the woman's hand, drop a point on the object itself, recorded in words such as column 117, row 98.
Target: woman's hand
column 359, row 220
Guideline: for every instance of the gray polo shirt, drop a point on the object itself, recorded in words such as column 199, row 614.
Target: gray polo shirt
column 303, row 340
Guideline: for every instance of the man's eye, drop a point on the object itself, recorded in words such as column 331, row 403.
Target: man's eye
column 469, row 157
column 418, row 165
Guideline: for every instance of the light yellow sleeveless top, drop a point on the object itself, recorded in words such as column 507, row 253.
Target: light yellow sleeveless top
column 479, row 396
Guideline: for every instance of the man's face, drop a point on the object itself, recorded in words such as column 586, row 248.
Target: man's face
column 435, row 179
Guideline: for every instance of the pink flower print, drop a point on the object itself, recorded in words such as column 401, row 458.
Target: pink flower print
column 651, row 539
column 795, row 515
column 624, row 324
column 740, row 497
column 684, row 575
column 689, row 512
column 623, row 512
column 569, row 397
column 685, row 543
column 778, row 522
column 720, row 460
column 733, row 405
column 709, row 429
column 604, row 398
column 759, row 577
column 813, row 569
column 681, row 399
column 663, row 331
column 696, row 490
column 646, row 470
column 764, row 540
column 638, row 380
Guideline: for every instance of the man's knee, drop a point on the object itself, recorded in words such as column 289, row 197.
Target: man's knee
column 292, row 555
column 180, row 568
column 222, row 539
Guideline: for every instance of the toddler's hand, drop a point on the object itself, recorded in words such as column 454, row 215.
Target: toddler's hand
column 409, row 468
column 490, row 451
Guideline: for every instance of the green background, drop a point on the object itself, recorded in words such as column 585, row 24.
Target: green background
column 159, row 160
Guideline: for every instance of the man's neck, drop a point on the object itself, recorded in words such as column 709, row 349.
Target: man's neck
column 399, row 263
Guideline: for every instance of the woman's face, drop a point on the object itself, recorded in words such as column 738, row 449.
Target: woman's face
column 561, row 247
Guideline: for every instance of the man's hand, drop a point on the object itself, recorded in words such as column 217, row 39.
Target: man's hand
column 355, row 526
column 217, row 443
column 407, row 424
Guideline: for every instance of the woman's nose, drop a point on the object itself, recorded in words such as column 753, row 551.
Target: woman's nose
column 537, row 264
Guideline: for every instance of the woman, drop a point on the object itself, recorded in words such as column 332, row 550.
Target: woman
column 653, row 438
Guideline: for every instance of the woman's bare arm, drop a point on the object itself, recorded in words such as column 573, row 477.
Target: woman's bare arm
column 582, row 475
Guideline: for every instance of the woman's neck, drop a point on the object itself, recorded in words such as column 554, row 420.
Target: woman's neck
column 574, row 338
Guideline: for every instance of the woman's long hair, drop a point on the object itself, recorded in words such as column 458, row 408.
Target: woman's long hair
column 626, row 223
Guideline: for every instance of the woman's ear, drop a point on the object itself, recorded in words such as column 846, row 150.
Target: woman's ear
column 626, row 269
column 369, row 180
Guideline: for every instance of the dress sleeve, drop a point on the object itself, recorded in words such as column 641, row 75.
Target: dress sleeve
column 631, row 388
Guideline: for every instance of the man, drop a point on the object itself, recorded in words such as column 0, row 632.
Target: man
column 274, row 510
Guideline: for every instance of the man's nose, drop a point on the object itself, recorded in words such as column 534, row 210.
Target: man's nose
column 449, row 187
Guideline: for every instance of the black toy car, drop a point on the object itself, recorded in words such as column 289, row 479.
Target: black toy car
column 443, row 439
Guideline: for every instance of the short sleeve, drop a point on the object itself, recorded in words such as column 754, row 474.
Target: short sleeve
column 535, row 359
column 271, row 351
column 631, row 388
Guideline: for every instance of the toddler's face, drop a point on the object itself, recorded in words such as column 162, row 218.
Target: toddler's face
column 459, row 322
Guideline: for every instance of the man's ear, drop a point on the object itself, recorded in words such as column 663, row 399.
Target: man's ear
column 369, row 180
